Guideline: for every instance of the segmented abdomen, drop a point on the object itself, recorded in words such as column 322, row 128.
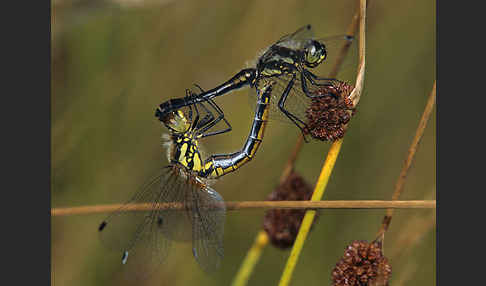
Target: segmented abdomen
column 219, row 165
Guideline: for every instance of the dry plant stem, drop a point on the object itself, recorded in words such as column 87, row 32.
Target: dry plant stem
column 358, row 89
column 330, row 160
column 368, row 204
column 411, row 154
column 252, row 256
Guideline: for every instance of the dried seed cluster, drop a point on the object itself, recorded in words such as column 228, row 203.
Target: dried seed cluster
column 282, row 225
column 328, row 115
column 362, row 264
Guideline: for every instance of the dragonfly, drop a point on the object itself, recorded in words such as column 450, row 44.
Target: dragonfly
column 144, row 228
column 287, row 62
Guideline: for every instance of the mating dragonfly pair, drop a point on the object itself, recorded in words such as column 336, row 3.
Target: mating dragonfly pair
column 285, row 63
column 179, row 204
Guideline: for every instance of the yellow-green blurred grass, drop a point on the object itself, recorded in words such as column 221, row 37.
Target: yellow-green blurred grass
column 113, row 66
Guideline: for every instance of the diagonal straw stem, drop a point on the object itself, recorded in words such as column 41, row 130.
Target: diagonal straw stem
column 351, row 31
column 309, row 215
column 408, row 162
column 252, row 256
column 330, row 160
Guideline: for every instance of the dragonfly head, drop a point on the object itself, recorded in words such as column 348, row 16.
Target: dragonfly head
column 176, row 122
column 315, row 53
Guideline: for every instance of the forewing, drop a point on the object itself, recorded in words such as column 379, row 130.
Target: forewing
column 297, row 39
column 296, row 103
column 135, row 234
column 176, row 224
column 121, row 229
column 342, row 50
column 143, row 237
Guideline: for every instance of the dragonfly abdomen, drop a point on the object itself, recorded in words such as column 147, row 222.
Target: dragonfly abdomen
column 219, row 165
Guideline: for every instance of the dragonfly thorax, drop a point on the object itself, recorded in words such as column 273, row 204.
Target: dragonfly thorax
column 186, row 151
column 278, row 60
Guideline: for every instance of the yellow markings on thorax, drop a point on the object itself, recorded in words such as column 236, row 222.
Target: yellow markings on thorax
column 288, row 60
column 270, row 72
column 197, row 162
column 183, row 155
column 189, row 155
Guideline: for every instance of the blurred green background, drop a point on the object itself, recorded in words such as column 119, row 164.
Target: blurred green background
column 114, row 61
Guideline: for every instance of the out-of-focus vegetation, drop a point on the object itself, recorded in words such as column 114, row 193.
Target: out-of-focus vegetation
column 114, row 61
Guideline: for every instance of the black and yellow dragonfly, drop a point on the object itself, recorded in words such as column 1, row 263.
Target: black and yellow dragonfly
column 145, row 234
column 287, row 62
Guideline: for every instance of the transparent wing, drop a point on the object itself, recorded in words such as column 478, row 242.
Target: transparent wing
column 297, row 39
column 176, row 224
column 208, row 216
column 334, row 48
column 143, row 237
column 121, row 229
column 297, row 102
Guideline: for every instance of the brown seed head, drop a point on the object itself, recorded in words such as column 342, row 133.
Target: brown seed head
column 362, row 264
column 282, row 225
column 329, row 114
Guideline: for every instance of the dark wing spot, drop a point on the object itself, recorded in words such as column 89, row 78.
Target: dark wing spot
column 160, row 221
column 349, row 38
column 102, row 226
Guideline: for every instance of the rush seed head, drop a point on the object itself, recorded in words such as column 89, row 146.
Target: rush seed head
column 362, row 264
column 328, row 115
column 282, row 225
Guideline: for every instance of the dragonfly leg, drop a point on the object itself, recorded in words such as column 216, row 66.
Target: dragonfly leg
column 307, row 75
column 212, row 123
column 292, row 117
column 188, row 94
column 311, row 77
column 196, row 119
column 210, row 120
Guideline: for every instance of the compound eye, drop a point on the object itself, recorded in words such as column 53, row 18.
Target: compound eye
column 176, row 121
column 315, row 54
column 313, row 50
column 311, row 56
